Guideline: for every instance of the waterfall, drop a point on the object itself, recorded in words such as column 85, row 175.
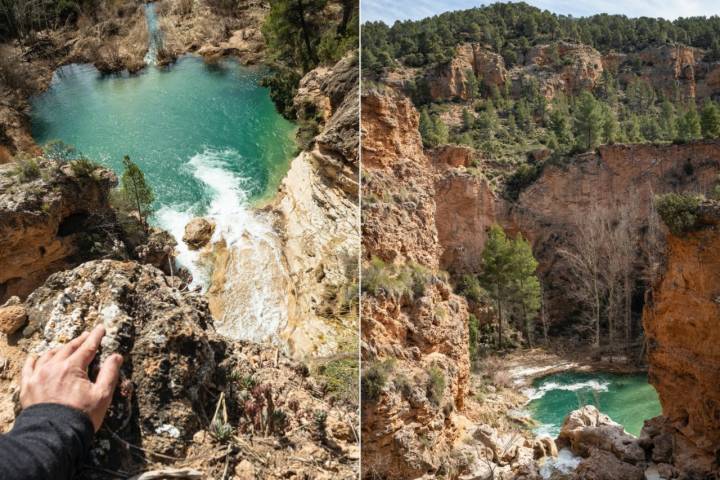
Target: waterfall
column 154, row 34
column 253, row 288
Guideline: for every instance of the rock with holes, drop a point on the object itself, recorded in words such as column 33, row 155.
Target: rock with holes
column 49, row 218
column 164, row 336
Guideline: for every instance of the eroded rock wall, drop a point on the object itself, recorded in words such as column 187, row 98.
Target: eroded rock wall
column 45, row 222
column 419, row 338
column 318, row 217
column 616, row 178
column 683, row 342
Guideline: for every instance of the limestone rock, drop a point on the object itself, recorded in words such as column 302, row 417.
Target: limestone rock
column 602, row 465
column 198, row 233
column 680, row 322
column 174, row 372
column 587, row 429
column 450, row 81
column 12, row 316
column 44, row 222
column 628, row 175
column 426, row 331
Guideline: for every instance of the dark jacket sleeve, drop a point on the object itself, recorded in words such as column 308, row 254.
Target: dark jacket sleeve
column 48, row 441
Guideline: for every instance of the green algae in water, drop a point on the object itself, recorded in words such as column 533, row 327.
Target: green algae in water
column 163, row 118
column 626, row 398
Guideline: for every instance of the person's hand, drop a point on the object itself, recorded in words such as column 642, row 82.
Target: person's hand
column 60, row 376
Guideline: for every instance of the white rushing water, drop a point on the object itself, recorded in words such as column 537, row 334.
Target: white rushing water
column 564, row 464
column 256, row 281
column 533, row 393
column 154, row 34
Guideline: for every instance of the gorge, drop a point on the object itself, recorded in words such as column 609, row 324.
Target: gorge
column 264, row 334
column 460, row 137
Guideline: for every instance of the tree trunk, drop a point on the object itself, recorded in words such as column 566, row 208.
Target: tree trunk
column 306, row 35
column 628, row 311
column 499, row 304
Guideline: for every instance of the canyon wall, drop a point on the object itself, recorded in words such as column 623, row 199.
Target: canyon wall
column 317, row 210
column 564, row 67
column 419, row 338
column 618, row 178
column 683, row 343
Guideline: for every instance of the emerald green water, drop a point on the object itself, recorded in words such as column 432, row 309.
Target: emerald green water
column 165, row 118
column 210, row 143
column 627, row 399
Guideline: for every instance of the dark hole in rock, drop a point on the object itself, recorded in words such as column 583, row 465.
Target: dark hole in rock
column 72, row 224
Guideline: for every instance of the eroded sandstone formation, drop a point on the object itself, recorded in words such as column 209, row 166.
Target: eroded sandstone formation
column 683, row 341
column 47, row 223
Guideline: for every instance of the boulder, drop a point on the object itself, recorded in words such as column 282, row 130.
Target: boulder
column 12, row 316
column 198, row 232
column 587, row 429
column 602, row 465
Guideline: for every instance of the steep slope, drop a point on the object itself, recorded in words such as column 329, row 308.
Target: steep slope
column 176, row 372
column 416, row 369
column 420, row 337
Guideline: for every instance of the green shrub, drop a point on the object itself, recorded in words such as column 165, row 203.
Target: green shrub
column 396, row 280
column 59, row 151
column 522, row 178
column 83, row 167
column 374, row 379
column 435, row 385
column 471, row 289
column 474, row 328
column 340, row 376
column 26, row 168
column 679, row 211
column 283, row 84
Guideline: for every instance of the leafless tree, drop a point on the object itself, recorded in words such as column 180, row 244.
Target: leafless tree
column 586, row 256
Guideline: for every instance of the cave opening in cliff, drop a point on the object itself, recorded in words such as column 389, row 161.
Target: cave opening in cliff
column 72, row 224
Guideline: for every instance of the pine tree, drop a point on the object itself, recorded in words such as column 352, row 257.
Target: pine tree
column 611, row 127
column 688, row 126
column 668, row 123
column 632, row 129
column 508, row 274
column 136, row 190
column 588, row 121
column 472, row 84
column 467, row 119
column 293, row 30
column 525, row 291
column 560, row 125
column 710, row 120
column 495, row 277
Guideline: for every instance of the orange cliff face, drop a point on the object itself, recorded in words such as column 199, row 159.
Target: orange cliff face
column 682, row 327
column 616, row 178
column 420, row 338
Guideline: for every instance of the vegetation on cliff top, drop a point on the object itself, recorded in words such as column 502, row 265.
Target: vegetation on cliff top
column 510, row 28
column 301, row 35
